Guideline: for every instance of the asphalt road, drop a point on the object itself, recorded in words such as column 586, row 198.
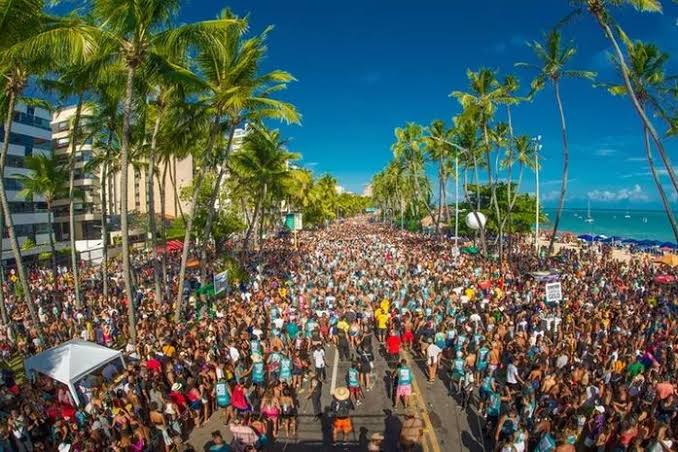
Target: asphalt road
column 447, row 427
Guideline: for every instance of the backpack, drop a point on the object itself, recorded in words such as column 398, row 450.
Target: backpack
column 342, row 408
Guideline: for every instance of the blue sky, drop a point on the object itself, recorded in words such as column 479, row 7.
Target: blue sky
column 367, row 66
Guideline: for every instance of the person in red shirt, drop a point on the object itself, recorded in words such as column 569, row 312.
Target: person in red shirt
column 393, row 347
column 177, row 397
column 153, row 365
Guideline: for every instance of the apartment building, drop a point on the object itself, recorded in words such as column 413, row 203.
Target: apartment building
column 30, row 135
column 88, row 204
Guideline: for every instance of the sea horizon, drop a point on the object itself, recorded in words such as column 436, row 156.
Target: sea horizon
column 642, row 224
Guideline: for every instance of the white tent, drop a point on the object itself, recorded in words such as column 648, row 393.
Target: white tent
column 71, row 361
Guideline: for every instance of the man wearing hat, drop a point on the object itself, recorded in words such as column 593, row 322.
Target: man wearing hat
column 341, row 408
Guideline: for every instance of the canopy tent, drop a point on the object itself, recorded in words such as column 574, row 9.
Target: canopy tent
column 71, row 361
column 585, row 237
column 668, row 259
column 172, row 246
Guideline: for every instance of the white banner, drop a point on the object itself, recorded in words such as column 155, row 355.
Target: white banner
column 554, row 292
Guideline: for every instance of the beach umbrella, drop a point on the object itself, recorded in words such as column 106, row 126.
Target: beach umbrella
column 607, row 240
column 646, row 243
column 669, row 245
column 630, row 241
column 616, row 238
column 586, row 237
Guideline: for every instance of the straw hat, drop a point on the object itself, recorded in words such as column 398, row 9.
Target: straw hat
column 377, row 437
column 341, row 393
column 176, row 387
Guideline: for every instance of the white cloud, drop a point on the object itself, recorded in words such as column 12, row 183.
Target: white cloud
column 604, row 152
column 624, row 194
column 552, row 195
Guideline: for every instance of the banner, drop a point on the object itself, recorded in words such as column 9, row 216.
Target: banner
column 220, row 282
column 554, row 292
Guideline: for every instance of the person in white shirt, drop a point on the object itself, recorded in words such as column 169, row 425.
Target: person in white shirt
column 319, row 360
column 432, row 357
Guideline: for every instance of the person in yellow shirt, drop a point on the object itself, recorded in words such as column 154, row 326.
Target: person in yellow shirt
column 343, row 325
column 385, row 305
column 470, row 293
column 381, row 318
column 169, row 350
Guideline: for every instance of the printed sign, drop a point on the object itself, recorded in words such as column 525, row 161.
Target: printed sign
column 220, row 282
column 554, row 292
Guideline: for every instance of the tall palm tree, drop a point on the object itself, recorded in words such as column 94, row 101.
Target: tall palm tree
column 408, row 151
column 139, row 28
column 600, row 10
column 31, row 43
column 238, row 91
column 646, row 72
column 440, row 150
column 48, row 180
column 262, row 166
column 553, row 58
column 480, row 105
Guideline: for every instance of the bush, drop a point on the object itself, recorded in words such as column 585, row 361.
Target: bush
column 44, row 256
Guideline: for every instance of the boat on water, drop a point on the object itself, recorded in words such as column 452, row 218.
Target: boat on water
column 627, row 215
column 589, row 218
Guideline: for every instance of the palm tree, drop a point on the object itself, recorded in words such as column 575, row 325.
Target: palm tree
column 238, row 91
column 262, row 166
column 480, row 105
column 408, row 151
column 139, row 30
column 599, row 9
column 646, row 73
column 31, row 43
column 46, row 179
column 554, row 57
column 440, row 151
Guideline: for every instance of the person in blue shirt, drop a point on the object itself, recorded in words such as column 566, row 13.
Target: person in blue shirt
column 353, row 383
column 404, row 385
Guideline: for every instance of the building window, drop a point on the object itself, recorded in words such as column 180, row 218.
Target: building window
column 12, row 184
column 15, row 161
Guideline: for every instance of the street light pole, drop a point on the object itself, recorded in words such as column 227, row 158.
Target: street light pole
column 456, row 200
column 456, row 186
column 537, row 148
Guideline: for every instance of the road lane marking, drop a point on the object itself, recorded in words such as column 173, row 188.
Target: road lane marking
column 335, row 368
column 429, row 431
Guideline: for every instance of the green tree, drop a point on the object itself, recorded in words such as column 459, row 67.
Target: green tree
column 553, row 58
column 140, row 31
column 646, row 72
column 31, row 43
column 440, row 150
column 600, row 10
column 238, row 91
column 262, row 166
column 46, row 179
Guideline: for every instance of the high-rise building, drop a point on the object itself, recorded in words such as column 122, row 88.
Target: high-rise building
column 88, row 203
column 177, row 173
column 30, row 135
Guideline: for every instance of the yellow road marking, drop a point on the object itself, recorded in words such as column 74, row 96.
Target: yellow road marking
column 429, row 431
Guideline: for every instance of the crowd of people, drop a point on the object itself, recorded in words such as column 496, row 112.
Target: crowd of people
column 594, row 371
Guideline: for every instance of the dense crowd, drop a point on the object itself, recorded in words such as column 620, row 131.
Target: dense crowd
column 595, row 371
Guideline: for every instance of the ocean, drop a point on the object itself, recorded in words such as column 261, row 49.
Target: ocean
column 642, row 224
